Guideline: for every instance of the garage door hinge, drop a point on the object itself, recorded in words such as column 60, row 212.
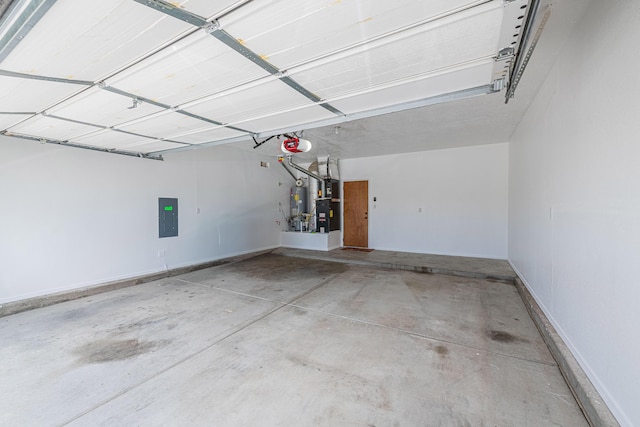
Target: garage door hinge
column 497, row 85
column 505, row 53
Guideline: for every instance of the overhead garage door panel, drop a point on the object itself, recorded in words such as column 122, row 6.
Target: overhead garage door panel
column 88, row 40
column 434, row 47
column 149, row 75
column 193, row 68
column 291, row 32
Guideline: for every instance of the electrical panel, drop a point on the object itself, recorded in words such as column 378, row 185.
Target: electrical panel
column 168, row 217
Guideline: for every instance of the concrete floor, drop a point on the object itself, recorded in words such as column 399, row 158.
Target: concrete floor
column 278, row 341
column 479, row 268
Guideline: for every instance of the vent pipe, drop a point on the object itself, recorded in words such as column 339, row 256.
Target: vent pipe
column 303, row 170
column 295, row 178
column 317, row 177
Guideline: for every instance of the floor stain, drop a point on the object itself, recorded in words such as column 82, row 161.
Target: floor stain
column 278, row 268
column 501, row 336
column 442, row 350
column 107, row 350
column 77, row 313
column 299, row 311
column 92, row 308
column 502, row 281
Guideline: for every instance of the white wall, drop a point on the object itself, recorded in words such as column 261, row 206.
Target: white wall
column 574, row 200
column 462, row 193
column 72, row 217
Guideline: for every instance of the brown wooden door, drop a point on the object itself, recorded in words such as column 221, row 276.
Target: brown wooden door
column 356, row 214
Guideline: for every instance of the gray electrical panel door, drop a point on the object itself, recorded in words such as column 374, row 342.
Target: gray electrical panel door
column 168, row 217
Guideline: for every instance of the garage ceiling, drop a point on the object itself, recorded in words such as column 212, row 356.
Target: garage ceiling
column 445, row 123
column 141, row 77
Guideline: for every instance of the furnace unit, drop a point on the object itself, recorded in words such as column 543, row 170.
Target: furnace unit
column 328, row 207
column 328, row 215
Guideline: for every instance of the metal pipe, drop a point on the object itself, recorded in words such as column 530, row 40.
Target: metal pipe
column 303, row 170
column 295, row 178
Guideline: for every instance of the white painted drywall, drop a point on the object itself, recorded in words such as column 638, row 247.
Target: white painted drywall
column 450, row 202
column 73, row 218
column 574, row 200
column 312, row 241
